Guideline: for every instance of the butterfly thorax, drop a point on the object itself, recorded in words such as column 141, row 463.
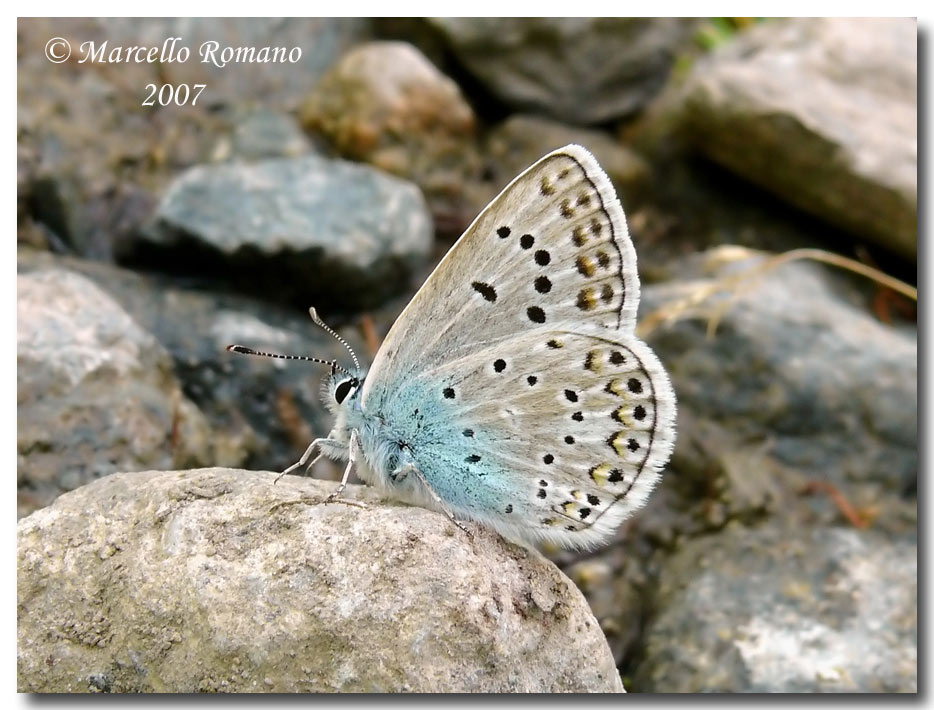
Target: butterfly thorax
column 384, row 449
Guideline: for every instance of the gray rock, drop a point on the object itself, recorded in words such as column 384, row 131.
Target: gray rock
column 263, row 412
column 262, row 135
column 784, row 609
column 95, row 392
column 308, row 230
column 217, row 580
column 26, row 165
column 581, row 70
column 846, row 148
column 385, row 104
column 796, row 369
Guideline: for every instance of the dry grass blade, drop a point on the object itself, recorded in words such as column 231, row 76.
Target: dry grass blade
column 735, row 285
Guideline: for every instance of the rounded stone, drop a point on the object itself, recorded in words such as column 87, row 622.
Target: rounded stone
column 96, row 393
column 386, row 104
column 219, row 580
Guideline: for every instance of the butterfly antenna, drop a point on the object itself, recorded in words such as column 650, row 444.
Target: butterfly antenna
column 317, row 319
column 250, row 351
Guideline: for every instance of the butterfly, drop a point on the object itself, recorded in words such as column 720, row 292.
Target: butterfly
column 512, row 390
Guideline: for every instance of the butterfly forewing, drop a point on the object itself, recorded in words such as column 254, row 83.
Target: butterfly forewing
column 550, row 252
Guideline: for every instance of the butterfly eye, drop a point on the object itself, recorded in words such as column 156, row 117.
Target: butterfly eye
column 344, row 389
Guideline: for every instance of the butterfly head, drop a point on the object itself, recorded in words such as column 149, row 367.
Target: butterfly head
column 342, row 388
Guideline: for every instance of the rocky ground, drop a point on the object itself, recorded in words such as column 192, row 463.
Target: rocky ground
column 778, row 553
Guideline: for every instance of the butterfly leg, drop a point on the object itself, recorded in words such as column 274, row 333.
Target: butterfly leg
column 351, row 462
column 407, row 468
column 317, row 443
column 400, row 473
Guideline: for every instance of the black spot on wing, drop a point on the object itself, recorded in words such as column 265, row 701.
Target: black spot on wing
column 535, row 314
column 485, row 290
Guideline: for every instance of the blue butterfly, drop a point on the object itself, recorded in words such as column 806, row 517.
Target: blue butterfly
column 512, row 390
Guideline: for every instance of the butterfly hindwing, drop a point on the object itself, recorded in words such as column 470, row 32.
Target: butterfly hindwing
column 554, row 435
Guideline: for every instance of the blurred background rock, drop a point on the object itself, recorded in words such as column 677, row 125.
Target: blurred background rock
column 778, row 553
